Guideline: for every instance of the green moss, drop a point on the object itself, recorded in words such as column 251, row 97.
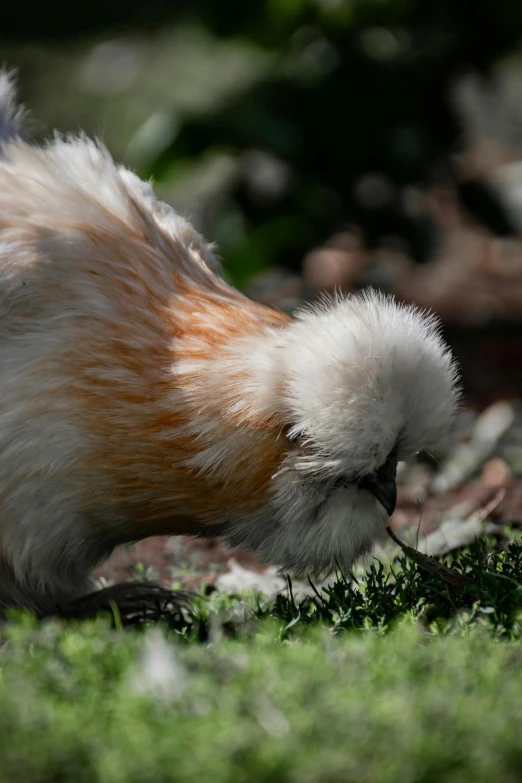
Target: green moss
column 348, row 707
column 397, row 678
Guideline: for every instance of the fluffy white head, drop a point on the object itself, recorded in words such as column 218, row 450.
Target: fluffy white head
column 364, row 374
column 363, row 378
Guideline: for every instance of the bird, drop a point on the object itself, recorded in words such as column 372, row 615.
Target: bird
column 141, row 394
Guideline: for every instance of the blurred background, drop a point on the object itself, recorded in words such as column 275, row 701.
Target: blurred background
column 322, row 144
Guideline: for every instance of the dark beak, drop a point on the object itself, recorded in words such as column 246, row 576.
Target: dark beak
column 382, row 483
column 384, row 491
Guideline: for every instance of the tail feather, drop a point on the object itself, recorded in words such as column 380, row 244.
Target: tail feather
column 12, row 115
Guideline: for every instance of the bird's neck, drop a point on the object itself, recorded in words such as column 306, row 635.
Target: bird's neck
column 228, row 361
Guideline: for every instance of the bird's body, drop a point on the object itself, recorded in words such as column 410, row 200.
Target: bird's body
column 141, row 395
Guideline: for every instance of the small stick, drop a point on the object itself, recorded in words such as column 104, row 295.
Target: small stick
column 428, row 563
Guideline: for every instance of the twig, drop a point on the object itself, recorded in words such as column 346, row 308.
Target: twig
column 484, row 511
column 431, row 565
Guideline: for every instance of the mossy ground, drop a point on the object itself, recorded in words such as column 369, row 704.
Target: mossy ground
column 401, row 677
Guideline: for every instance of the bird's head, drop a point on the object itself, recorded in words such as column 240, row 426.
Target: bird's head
column 364, row 383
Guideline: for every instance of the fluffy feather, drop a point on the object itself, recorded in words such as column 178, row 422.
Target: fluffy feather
column 141, row 395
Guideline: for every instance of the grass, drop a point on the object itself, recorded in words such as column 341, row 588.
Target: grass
column 399, row 677
column 488, row 587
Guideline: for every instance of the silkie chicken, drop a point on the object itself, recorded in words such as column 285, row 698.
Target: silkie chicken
column 140, row 394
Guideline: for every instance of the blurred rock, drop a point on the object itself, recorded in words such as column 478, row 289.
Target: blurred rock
column 337, row 266
column 493, row 423
column 239, row 579
column 467, row 458
column 496, row 474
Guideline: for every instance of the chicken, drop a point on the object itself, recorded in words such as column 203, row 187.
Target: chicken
column 140, row 394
